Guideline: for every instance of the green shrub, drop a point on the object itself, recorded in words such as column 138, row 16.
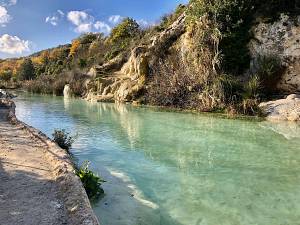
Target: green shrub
column 91, row 181
column 128, row 28
column 253, row 87
column 121, row 37
column 88, row 38
column 63, row 139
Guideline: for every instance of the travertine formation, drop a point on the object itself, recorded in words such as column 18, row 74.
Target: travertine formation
column 120, row 80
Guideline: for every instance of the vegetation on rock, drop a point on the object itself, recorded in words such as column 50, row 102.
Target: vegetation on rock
column 91, row 181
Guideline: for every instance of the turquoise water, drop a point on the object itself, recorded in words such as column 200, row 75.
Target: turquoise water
column 173, row 168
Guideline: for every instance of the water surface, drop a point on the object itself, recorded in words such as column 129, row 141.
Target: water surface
column 170, row 168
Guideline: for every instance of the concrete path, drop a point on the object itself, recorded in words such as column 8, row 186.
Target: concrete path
column 28, row 192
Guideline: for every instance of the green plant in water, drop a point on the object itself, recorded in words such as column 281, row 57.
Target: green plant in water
column 63, row 139
column 91, row 181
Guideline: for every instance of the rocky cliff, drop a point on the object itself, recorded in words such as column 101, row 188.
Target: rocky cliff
column 124, row 79
column 281, row 39
column 120, row 80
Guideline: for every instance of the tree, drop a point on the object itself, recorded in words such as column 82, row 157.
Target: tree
column 88, row 38
column 26, row 70
column 74, row 47
column 128, row 28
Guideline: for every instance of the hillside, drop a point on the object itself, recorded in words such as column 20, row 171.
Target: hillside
column 212, row 55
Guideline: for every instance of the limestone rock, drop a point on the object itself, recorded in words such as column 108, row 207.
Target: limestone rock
column 173, row 32
column 6, row 95
column 125, row 79
column 137, row 64
column 284, row 109
column 67, row 91
column 110, row 67
column 281, row 38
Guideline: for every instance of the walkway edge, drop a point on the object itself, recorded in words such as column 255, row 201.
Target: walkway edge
column 72, row 191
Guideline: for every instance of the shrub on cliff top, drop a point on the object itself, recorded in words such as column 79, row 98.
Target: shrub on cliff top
column 126, row 29
column 121, row 37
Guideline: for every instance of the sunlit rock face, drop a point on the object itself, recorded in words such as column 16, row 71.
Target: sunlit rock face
column 282, row 39
column 121, row 80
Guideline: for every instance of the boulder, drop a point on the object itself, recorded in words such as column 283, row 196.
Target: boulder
column 283, row 109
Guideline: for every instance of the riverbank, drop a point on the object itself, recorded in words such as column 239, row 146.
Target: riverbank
column 38, row 183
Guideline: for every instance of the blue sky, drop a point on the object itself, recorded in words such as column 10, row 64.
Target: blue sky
column 27, row 26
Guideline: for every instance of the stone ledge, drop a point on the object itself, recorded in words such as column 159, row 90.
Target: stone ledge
column 72, row 191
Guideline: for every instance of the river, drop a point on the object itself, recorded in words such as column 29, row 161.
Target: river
column 174, row 168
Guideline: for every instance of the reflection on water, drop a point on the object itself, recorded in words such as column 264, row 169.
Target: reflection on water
column 179, row 168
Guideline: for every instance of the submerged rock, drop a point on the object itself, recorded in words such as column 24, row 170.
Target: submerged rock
column 283, row 109
column 289, row 130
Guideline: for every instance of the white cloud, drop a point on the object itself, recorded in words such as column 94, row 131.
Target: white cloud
column 86, row 23
column 115, row 19
column 54, row 19
column 143, row 23
column 8, row 2
column 61, row 13
column 82, row 21
column 79, row 17
column 102, row 27
column 84, row 28
column 13, row 45
column 4, row 16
